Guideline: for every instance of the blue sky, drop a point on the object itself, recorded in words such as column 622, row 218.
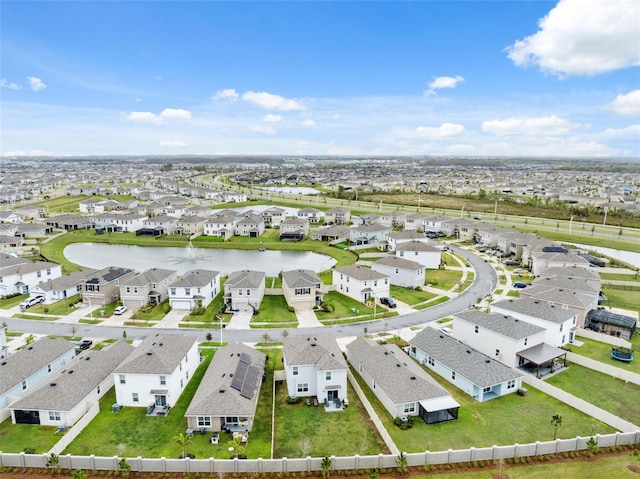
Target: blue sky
column 478, row 78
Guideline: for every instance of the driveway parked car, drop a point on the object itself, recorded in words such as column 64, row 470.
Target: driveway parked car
column 84, row 344
column 519, row 285
column 389, row 301
column 120, row 310
column 27, row 303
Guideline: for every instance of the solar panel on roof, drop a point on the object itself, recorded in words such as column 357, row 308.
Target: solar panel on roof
column 250, row 382
column 238, row 376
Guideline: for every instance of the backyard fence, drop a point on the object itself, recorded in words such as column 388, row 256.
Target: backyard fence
column 310, row 464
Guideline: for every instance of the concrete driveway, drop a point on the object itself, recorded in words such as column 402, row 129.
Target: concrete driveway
column 307, row 319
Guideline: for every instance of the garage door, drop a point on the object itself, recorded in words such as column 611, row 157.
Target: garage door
column 180, row 304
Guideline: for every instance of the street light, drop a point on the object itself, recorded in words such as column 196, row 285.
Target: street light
column 90, row 308
column 461, row 211
column 570, row 224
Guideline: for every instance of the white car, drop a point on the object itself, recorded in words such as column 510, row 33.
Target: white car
column 120, row 310
column 27, row 303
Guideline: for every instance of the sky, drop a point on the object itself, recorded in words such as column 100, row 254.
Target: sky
column 367, row 78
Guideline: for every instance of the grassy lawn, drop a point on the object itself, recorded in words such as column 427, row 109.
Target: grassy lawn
column 602, row 352
column 211, row 312
column 604, row 391
column 307, row 430
column 7, row 303
column 444, row 279
column 428, row 304
column 17, row 437
column 622, row 298
column 35, row 317
column 506, row 420
column 620, row 277
column 274, row 309
column 59, row 308
column 467, row 282
column 151, row 313
column 343, row 306
column 410, row 296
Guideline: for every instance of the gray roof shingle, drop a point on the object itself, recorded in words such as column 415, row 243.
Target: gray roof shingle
column 501, row 324
column 321, row 350
column 535, row 308
column 157, row 354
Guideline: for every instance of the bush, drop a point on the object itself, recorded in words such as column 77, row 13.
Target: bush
column 293, row 400
column 408, row 424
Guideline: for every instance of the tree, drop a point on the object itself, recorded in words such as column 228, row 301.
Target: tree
column 124, row 467
column 183, row 440
column 236, row 445
column 325, row 466
column 265, row 338
column 285, row 333
column 556, row 422
column 592, row 447
column 402, row 463
column 208, row 337
column 29, row 339
column 53, row 463
column 124, row 334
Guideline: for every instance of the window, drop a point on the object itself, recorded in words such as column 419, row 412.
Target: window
column 163, row 380
column 135, row 289
column 24, row 384
column 327, row 376
column 295, row 370
column 173, row 291
column 128, row 289
column 98, row 389
column 204, row 421
column 432, row 362
column 239, row 292
column 303, row 388
column 134, row 397
column 187, row 291
column 248, row 292
column 453, row 375
column 476, row 329
column 511, row 384
column 48, row 271
column 54, row 415
column 409, row 408
column 122, row 379
column 525, row 341
column 486, row 390
column 39, row 274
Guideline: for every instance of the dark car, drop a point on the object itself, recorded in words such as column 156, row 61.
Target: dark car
column 519, row 285
column 389, row 301
column 84, row 344
column 512, row 262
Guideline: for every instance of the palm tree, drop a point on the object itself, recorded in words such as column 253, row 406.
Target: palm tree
column 236, row 445
column 184, row 440
column 556, row 422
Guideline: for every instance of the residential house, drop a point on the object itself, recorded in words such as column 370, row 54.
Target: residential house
column 222, row 225
column 369, row 219
column 543, row 260
column 198, row 210
column 69, row 393
column 11, row 217
column 396, row 238
column 514, row 243
column 190, row 225
column 436, row 224
column 19, row 277
column 337, row 216
column 476, row 374
column 11, row 244
column 62, row 287
column 196, row 288
column 311, row 215
column 103, row 286
column 274, row 215
column 229, row 391
column 157, row 372
column 70, row 222
column 119, row 223
column 589, row 274
column 415, row 222
column 294, row 229
column 559, row 322
column 569, row 283
column 175, row 211
column 31, row 212
column 427, row 255
column 360, row 283
column 33, row 230
column 577, row 302
column 333, row 233
column 22, row 371
column 251, row 225
column 315, row 367
column 368, row 234
column 401, row 272
column 403, row 387
column 149, row 287
column 302, row 288
column 393, row 219
column 164, row 224
column 244, row 289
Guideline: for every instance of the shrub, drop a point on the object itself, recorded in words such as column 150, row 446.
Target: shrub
column 293, row 400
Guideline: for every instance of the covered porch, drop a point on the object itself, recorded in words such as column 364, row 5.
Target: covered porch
column 542, row 360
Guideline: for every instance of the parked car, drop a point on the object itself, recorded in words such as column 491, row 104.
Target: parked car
column 389, row 301
column 120, row 310
column 27, row 303
column 447, row 331
column 84, row 344
column 519, row 285
column 512, row 262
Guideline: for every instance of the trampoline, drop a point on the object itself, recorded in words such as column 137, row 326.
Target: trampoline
column 622, row 354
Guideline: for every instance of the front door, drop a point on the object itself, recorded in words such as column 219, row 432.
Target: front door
column 161, row 400
column 332, row 395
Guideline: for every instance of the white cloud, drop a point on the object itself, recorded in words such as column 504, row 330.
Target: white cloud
column 308, row 122
column 580, row 37
column 10, row 85
column 143, row 117
column 631, row 133
column 36, row 84
column 228, row 94
column 443, row 82
column 271, row 118
column 28, row 153
column 270, row 101
column 550, row 125
column 138, row 99
column 176, row 114
column 267, row 130
column 626, row 105
column 446, row 130
column 173, row 144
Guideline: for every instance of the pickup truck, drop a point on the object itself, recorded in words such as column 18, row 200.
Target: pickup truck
column 27, row 303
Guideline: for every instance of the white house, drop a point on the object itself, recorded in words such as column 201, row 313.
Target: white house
column 425, row 254
column 360, row 283
column 244, row 289
column 222, row 225
column 252, row 226
column 315, row 367
column 401, row 272
column 403, row 388
column 165, row 224
column 129, row 222
column 366, row 234
column 62, row 287
column 310, row 215
column 559, row 322
column 476, row 374
column 196, row 288
column 69, row 393
column 148, row 287
column 156, row 374
column 394, row 238
column 338, row 216
column 21, row 277
column 294, row 229
column 22, row 371
column 274, row 215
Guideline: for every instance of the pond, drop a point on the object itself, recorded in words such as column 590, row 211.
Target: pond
column 628, row 257
column 141, row 258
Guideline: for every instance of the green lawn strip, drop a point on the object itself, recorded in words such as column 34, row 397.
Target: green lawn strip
column 59, row 308
column 36, row 317
column 444, row 279
column 622, row 298
column 428, row 304
column 502, row 421
column 635, row 278
column 302, row 430
column 359, row 319
column 16, row 437
column 343, row 306
column 89, row 321
column 609, row 393
column 602, row 352
column 12, row 301
column 467, row 282
column 410, row 296
column 212, row 312
column 151, row 313
column 273, row 325
column 274, row 309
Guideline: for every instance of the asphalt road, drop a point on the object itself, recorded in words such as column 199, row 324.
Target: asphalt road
column 485, row 282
